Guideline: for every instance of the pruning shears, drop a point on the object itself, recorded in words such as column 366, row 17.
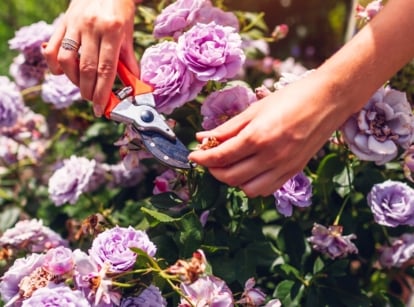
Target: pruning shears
column 135, row 105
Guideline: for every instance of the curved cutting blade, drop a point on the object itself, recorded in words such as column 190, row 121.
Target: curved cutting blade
column 173, row 153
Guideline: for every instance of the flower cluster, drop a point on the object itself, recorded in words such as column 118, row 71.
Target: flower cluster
column 41, row 277
column 125, row 227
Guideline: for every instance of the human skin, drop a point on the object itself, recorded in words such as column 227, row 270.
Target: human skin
column 272, row 140
column 104, row 29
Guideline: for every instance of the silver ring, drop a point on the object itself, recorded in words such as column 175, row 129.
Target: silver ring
column 70, row 44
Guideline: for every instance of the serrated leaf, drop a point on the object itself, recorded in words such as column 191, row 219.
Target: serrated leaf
column 318, row 265
column 160, row 217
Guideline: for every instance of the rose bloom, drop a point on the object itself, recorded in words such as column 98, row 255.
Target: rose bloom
column 382, row 125
column 22, row 267
column 211, row 51
column 11, row 102
column 150, row 297
column 400, row 251
column 392, row 203
column 183, row 14
column 113, row 246
column 331, row 242
column 58, row 261
column 59, row 91
column 31, row 235
column 207, row 291
column 171, row 181
column 31, row 36
column 252, row 296
column 94, row 281
column 72, row 179
column 56, row 295
column 297, row 191
column 222, row 105
column 174, row 84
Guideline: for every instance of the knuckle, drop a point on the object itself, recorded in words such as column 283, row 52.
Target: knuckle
column 106, row 69
column 88, row 67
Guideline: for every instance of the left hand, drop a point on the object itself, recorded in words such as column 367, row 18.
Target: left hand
column 272, row 140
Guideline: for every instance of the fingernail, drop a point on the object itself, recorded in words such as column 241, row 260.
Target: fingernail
column 97, row 109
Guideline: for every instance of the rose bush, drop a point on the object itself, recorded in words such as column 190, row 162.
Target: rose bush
column 87, row 219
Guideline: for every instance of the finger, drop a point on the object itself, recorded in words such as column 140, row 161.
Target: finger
column 127, row 55
column 88, row 64
column 231, row 127
column 265, row 183
column 106, row 72
column 229, row 152
column 51, row 49
column 68, row 55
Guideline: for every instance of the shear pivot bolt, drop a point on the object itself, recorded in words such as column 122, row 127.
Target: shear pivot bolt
column 147, row 116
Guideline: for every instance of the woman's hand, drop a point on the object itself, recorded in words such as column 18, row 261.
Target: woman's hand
column 271, row 141
column 103, row 29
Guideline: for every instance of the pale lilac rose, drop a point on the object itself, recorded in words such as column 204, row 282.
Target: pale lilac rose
column 172, row 181
column 31, row 235
column 383, row 125
column 28, row 73
column 94, row 282
column 22, row 267
column 392, row 203
column 31, row 36
column 181, row 15
column 57, row 295
column 222, row 105
column 150, row 297
column 71, row 180
column 59, row 91
column 58, row 261
column 11, row 102
column 174, row 84
column 251, row 295
column 113, row 247
column 297, row 192
column 211, row 51
column 400, row 251
column 29, row 67
column 207, row 291
column 331, row 242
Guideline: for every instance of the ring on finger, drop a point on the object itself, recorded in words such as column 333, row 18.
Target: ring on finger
column 70, row 44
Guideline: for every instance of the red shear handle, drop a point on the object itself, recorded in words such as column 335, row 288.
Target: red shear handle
column 128, row 79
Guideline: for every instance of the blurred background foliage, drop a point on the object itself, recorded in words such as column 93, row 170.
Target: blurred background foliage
column 317, row 27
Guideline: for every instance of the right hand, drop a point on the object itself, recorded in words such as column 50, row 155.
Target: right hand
column 104, row 31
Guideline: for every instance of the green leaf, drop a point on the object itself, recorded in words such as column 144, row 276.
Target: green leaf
column 288, row 271
column 165, row 200
column 286, row 291
column 8, row 217
column 160, row 217
column 318, row 265
column 330, row 166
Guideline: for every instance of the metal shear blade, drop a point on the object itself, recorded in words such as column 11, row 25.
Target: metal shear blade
column 168, row 151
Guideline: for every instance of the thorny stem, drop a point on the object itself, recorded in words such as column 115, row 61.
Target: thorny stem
column 253, row 23
column 31, row 90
